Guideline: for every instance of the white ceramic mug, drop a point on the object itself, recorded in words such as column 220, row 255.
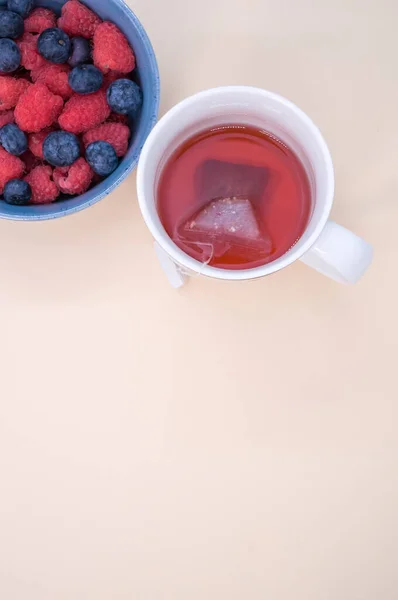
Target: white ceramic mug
column 325, row 246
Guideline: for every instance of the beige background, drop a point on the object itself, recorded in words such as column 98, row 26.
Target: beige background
column 226, row 441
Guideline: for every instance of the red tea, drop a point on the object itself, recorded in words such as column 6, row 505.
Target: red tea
column 234, row 197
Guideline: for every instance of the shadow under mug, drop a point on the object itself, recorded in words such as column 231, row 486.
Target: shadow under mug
column 325, row 246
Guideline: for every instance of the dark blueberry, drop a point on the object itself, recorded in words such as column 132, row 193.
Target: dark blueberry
column 54, row 45
column 102, row 158
column 61, row 148
column 80, row 51
column 10, row 56
column 3, row 4
column 11, row 25
column 22, row 7
column 85, row 79
column 13, row 139
column 17, row 191
column 124, row 97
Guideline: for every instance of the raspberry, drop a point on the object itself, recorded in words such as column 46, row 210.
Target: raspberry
column 43, row 187
column 115, row 134
column 36, row 142
column 7, row 117
column 30, row 57
column 11, row 167
column 55, row 77
column 112, row 52
column 37, row 108
column 82, row 113
column 40, row 19
column 10, row 91
column 77, row 19
column 75, row 179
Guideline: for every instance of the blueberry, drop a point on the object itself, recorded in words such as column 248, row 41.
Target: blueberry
column 54, row 45
column 80, row 51
column 61, row 148
column 124, row 97
column 85, row 79
column 17, row 191
column 102, row 158
column 11, row 25
column 10, row 56
column 22, row 7
column 13, row 139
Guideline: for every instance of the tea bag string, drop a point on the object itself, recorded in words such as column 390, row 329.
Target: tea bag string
column 204, row 264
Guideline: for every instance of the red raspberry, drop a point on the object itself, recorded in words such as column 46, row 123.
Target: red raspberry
column 112, row 52
column 10, row 91
column 11, row 167
column 30, row 161
column 75, row 179
column 55, row 77
column 30, row 58
column 37, row 108
column 77, row 19
column 116, row 134
column 36, row 140
column 82, row 113
column 7, row 117
column 40, row 19
column 44, row 189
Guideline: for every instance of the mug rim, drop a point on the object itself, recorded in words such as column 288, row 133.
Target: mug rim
column 185, row 261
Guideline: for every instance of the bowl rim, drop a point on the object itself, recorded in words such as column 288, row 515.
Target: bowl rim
column 59, row 211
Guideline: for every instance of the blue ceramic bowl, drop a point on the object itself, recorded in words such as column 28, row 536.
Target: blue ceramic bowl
column 146, row 74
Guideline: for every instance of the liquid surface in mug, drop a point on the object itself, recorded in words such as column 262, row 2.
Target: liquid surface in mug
column 234, row 197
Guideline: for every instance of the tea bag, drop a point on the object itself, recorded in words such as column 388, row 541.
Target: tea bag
column 227, row 223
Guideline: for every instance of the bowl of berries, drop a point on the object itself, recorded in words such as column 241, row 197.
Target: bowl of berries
column 79, row 95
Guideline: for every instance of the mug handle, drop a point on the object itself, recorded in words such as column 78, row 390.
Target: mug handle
column 172, row 271
column 339, row 254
